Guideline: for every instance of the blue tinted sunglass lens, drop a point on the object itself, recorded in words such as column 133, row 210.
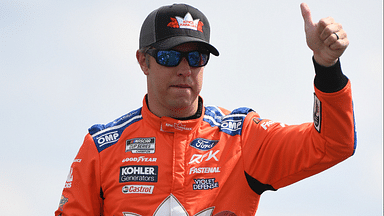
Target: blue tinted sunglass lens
column 204, row 58
column 197, row 59
column 168, row 58
column 194, row 59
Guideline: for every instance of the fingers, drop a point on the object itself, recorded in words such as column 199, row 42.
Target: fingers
column 306, row 13
column 340, row 43
column 327, row 28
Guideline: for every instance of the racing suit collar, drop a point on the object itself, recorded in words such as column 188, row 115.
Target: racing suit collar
column 167, row 124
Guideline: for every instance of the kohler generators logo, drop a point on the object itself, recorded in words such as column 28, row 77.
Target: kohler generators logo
column 138, row 174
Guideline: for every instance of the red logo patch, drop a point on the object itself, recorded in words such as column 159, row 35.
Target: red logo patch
column 187, row 22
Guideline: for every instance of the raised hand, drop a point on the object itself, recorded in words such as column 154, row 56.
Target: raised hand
column 326, row 39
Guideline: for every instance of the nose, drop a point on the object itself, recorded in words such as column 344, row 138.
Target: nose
column 183, row 69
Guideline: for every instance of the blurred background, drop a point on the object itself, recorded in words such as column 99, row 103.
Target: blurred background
column 66, row 65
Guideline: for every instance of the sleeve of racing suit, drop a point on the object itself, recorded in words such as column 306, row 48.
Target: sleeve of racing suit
column 276, row 155
column 82, row 193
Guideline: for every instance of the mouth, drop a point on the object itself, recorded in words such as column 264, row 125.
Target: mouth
column 181, row 86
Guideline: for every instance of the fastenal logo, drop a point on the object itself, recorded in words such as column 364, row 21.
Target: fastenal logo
column 194, row 170
column 138, row 174
column 141, row 145
column 107, row 138
column 138, row 189
column 203, row 144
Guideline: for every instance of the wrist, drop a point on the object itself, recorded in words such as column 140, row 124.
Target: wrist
column 329, row 79
column 323, row 62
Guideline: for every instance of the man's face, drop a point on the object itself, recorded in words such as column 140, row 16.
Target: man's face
column 174, row 88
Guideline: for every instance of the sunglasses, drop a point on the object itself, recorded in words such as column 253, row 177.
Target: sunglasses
column 172, row 58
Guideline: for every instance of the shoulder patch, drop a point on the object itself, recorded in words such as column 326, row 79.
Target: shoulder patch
column 231, row 124
column 213, row 115
column 317, row 113
column 105, row 135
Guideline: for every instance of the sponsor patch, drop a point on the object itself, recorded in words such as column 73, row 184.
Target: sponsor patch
column 186, row 22
column 198, row 158
column 63, row 200
column 205, row 184
column 265, row 125
column 231, row 125
column 317, row 114
column 68, row 183
column 137, row 189
column 257, row 120
column 203, row 144
column 139, row 159
column 141, row 145
column 106, row 135
column 175, row 127
column 138, row 174
column 194, row 170
column 107, row 138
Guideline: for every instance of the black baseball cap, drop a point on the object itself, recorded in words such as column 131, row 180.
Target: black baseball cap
column 173, row 25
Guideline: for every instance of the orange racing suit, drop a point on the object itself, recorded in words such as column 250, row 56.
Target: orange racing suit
column 217, row 164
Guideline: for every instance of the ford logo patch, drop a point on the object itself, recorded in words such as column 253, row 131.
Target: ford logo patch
column 203, row 144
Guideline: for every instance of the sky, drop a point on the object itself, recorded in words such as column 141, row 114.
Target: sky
column 66, row 65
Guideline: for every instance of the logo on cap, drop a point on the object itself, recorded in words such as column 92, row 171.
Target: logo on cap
column 187, row 22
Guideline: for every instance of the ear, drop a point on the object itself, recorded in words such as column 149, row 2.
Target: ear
column 140, row 56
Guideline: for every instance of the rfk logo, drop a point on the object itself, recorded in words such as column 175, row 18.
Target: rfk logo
column 198, row 158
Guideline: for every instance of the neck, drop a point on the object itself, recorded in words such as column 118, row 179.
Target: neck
column 182, row 113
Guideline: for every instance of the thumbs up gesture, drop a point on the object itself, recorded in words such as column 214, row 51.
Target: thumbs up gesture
column 326, row 39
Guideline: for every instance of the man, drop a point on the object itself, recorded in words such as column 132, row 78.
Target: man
column 175, row 156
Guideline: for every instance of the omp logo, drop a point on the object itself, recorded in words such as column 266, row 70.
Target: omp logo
column 107, row 138
column 198, row 158
column 203, row 144
column 232, row 125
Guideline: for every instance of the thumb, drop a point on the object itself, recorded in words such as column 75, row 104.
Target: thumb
column 306, row 13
